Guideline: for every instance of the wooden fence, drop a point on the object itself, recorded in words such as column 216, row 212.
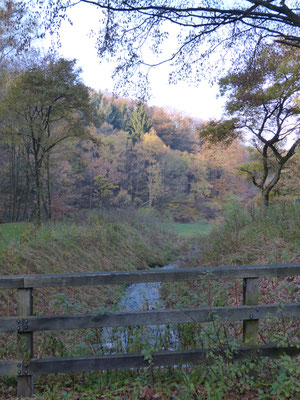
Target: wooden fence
column 25, row 324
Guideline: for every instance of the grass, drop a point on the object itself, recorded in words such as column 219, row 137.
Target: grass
column 246, row 236
column 191, row 230
column 97, row 242
column 253, row 236
column 217, row 381
column 13, row 231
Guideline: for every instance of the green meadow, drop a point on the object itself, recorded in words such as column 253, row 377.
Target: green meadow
column 191, row 230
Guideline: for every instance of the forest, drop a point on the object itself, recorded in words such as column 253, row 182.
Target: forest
column 126, row 155
column 104, row 187
column 65, row 147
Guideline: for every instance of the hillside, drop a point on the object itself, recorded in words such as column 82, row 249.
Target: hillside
column 131, row 156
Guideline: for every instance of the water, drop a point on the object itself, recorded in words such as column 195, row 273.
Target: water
column 139, row 297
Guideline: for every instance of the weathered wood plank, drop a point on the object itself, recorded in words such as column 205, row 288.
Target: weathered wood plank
column 153, row 317
column 179, row 274
column 9, row 324
column 121, row 361
column 11, row 281
column 250, row 298
column 10, row 368
column 25, row 343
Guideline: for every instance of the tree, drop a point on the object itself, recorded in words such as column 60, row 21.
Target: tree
column 118, row 117
column 16, row 28
column 44, row 106
column 130, row 27
column 139, row 123
column 263, row 102
column 288, row 186
column 105, row 188
column 222, row 162
column 290, row 181
column 177, row 131
column 155, row 186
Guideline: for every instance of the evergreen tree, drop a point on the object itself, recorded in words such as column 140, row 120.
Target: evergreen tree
column 139, row 123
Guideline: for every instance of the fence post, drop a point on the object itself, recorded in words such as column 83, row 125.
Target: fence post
column 250, row 298
column 25, row 344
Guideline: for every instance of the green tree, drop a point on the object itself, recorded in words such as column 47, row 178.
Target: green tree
column 263, row 102
column 118, row 116
column 139, row 123
column 289, row 185
column 47, row 104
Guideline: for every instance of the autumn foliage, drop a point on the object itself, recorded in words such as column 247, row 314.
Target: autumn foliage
column 131, row 155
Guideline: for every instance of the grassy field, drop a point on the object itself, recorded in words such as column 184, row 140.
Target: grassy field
column 191, row 230
column 13, row 231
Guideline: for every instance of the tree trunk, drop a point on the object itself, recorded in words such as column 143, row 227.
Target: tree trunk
column 28, row 175
column 13, row 195
column 266, row 198
column 49, row 188
column 44, row 201
column 26, row 196
column 90, row 191
column 38, row 195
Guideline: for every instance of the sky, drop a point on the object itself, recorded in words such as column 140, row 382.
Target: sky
column 76, row 42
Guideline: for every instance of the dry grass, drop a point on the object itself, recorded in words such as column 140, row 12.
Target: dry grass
column 102, row 244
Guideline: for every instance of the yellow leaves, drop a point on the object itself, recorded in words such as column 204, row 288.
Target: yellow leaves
column 173, row 205
column 105, row 187
column 201, row 188
column 152, row 143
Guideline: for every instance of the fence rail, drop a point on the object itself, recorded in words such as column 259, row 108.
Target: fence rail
column 154, row 317
column 144, row 276
column 121, row 361
column 25, row 324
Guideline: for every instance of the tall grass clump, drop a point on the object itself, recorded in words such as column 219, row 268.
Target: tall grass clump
column 254, row 235
column 88, row 242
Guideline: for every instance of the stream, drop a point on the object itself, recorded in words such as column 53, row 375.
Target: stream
column 139, row 297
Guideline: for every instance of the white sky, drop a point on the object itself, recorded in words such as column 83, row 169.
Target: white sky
column 200, row 102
